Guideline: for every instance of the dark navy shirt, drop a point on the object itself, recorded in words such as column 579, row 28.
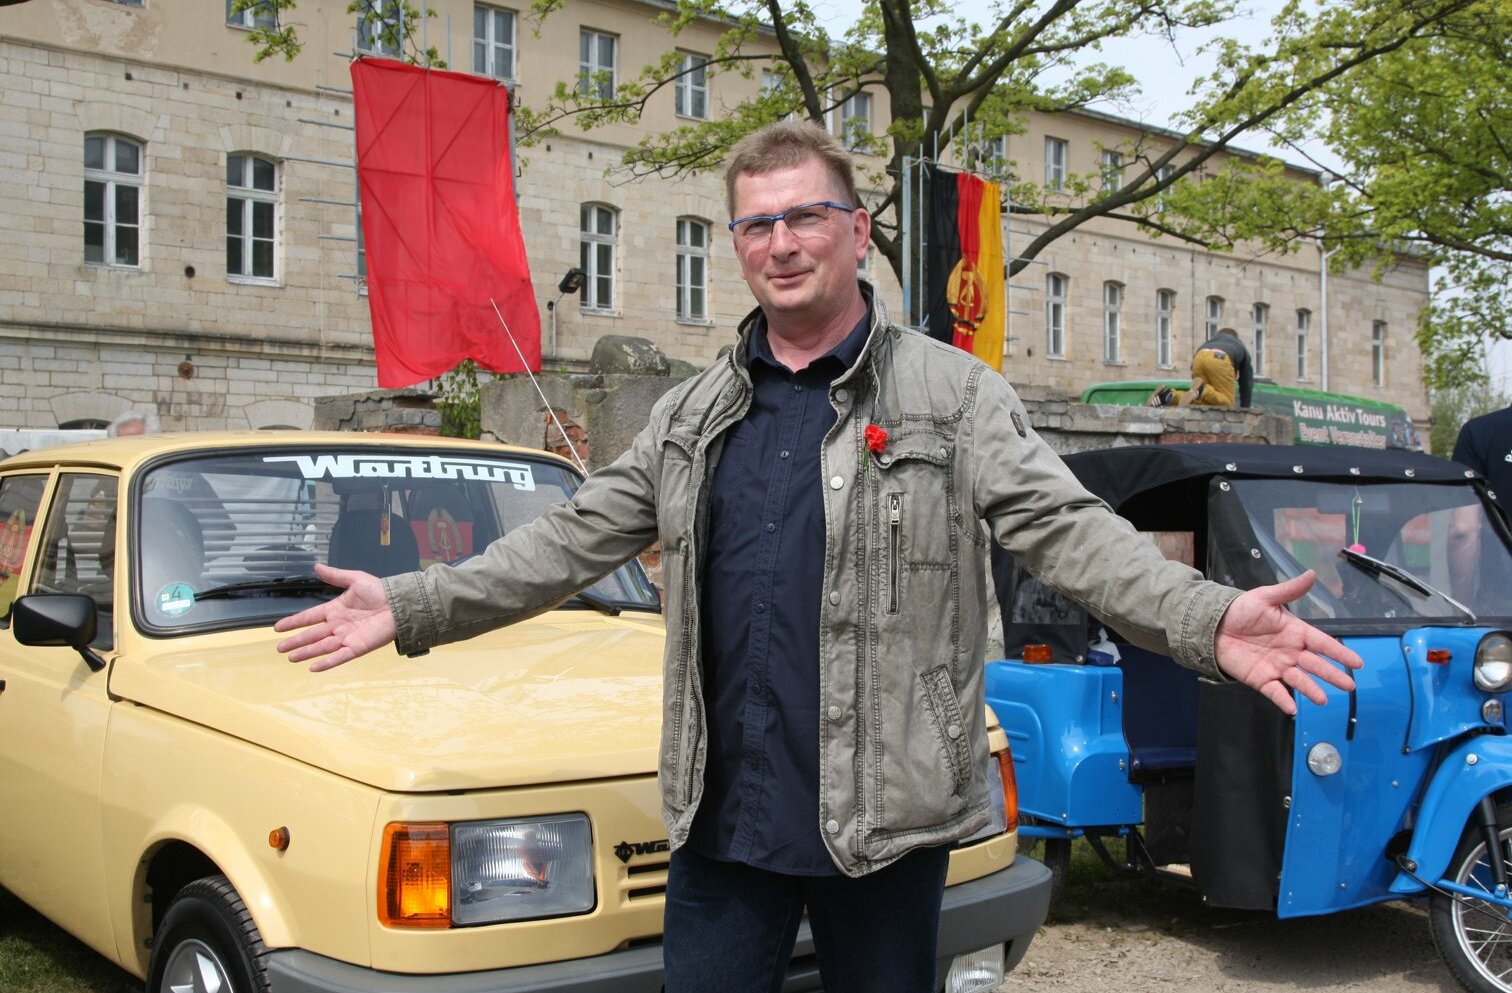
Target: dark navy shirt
column 762, row 580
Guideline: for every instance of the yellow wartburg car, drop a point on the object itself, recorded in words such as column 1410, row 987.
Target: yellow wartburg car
column 217, row 820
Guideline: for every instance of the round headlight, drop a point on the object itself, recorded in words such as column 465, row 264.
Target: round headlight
column 1324, row 759
column 1493, row 662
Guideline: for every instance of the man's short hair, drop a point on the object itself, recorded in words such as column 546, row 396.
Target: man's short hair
column 784, row 145
column 149, row 421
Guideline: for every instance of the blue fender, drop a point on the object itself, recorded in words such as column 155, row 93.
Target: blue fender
column 1474, row 768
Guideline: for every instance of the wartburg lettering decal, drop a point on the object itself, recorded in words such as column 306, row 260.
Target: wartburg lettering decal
column 627, row 850
column 409, row 467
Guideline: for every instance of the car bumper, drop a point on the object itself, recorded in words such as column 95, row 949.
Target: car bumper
column 1005, row 908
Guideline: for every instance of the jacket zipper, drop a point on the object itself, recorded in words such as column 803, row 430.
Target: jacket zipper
column 894, row 547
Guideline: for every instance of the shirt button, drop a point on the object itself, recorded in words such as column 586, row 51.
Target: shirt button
column 771, row 528
column 835, row 597
column 954, row 731
column 761, row 609
column 832, row 826
column 784, row 454
column 797, row 388
column 834, row 713
column 841, row 396
column 836, row 482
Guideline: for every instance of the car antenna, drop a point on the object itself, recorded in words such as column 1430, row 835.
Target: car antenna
column 549, row 408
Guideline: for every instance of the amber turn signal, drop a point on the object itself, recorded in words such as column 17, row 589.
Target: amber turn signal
column 278, row 839
column 1010, row 788
column 1439, row 656
column 1037, row 653
column 414, row 876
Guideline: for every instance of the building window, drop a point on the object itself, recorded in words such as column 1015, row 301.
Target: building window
column 1055, row 163
column 1259, row 317
column 989, row 156
column 1165, row 315
column 1163, row 175
column 598, row 229
column 361, row 245
column 251, row 216
column 1378, row 353
column 692, row 269
column 128, row 3
column 112, row 200
column 256, row 14
column 596, row 62
column 379, row 28
column 1112, row 166
column 692, row 89
column 1112, row 316
column 1214, row 316
column 854, row 120
column 1055, row 314
column 1304, row 324
column 493, row 42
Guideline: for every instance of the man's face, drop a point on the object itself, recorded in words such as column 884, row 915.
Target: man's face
column 805, row 278
column 130, row 428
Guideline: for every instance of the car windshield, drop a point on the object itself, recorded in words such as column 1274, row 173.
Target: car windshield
column 231, row 539
column 1382, row 551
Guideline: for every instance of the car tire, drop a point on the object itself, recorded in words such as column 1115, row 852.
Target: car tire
column 1473, row 939
column 207, row 942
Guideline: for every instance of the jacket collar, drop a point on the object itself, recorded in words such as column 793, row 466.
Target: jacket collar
column 738, row 356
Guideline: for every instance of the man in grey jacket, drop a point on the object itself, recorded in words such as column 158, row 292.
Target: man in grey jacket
column 823, row 496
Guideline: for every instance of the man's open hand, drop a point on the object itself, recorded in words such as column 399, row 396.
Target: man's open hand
column 1268, row 649
column 353, row 624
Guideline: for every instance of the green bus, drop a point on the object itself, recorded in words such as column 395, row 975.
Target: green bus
column 1320, row 418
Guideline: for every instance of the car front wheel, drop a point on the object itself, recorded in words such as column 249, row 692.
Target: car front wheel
column 208, row 943
column 1475, row 937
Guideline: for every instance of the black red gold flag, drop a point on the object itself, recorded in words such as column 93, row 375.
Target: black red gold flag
column 966, row 300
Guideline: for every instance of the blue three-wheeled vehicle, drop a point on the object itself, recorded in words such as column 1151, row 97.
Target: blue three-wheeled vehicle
column 1401, row 788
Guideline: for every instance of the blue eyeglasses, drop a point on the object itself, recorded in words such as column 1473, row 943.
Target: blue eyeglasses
column 804, row 220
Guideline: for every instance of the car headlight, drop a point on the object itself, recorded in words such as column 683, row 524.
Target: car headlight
column 485, row 872
column 1493, row 662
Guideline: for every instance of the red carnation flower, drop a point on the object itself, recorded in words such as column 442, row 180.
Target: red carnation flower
column 876, row 439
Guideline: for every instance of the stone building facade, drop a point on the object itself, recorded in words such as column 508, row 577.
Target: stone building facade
column 182, row 234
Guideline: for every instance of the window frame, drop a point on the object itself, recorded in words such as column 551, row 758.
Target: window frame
column 1378, row 353
column 689, row 258
column 371, row 28
column 1213, row 316
column 258, row 16
column 590, row 70
column 112, row 180
column 589, row 239
column 248, row 197
column 1304, row 328
column 1056, row 164
column 1113, row 297
column 1165, row 322
column 492, row 45
column 1055, row 313
column 854, row 138
column 1259, row 328
column 691, row 86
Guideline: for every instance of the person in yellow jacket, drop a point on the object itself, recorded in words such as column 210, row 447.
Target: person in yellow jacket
column 1221, row 374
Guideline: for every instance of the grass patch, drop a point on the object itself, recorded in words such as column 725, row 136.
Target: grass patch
column 36, row 956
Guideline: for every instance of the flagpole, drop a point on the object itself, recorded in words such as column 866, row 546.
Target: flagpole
column 549, row 408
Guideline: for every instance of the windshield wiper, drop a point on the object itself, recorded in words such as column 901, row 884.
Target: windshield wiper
column 282, row 586
column 1375, row 567
column 601, row 604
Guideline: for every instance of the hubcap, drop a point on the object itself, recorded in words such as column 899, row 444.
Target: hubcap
column 1482, row 929
column 194, row 967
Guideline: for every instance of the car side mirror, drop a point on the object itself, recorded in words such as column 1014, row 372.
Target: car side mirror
column 58, row 620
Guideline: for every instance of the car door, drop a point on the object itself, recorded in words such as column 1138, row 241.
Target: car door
column 53, row 709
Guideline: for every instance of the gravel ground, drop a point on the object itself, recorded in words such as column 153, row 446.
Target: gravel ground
column 1144, row 937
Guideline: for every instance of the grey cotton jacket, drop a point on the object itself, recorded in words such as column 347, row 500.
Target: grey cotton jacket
column 903, row 626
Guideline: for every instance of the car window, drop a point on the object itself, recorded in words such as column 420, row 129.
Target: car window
column 232, row 538
column 79, row 545
column 20, row 496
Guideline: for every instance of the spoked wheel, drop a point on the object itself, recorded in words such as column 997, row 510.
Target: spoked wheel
column 208, row 943
column 1474, row 937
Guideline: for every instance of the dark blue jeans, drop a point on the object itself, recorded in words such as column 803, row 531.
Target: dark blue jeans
column 730, row 928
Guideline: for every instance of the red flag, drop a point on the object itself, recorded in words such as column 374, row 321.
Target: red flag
column 439, row 222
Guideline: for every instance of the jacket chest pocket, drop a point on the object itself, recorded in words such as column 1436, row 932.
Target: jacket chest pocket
column 916, row 533
column 676, row 490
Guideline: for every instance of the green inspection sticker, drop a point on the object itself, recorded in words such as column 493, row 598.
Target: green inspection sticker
column 175, row 598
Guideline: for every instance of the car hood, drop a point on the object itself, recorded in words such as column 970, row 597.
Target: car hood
column 568, row 696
